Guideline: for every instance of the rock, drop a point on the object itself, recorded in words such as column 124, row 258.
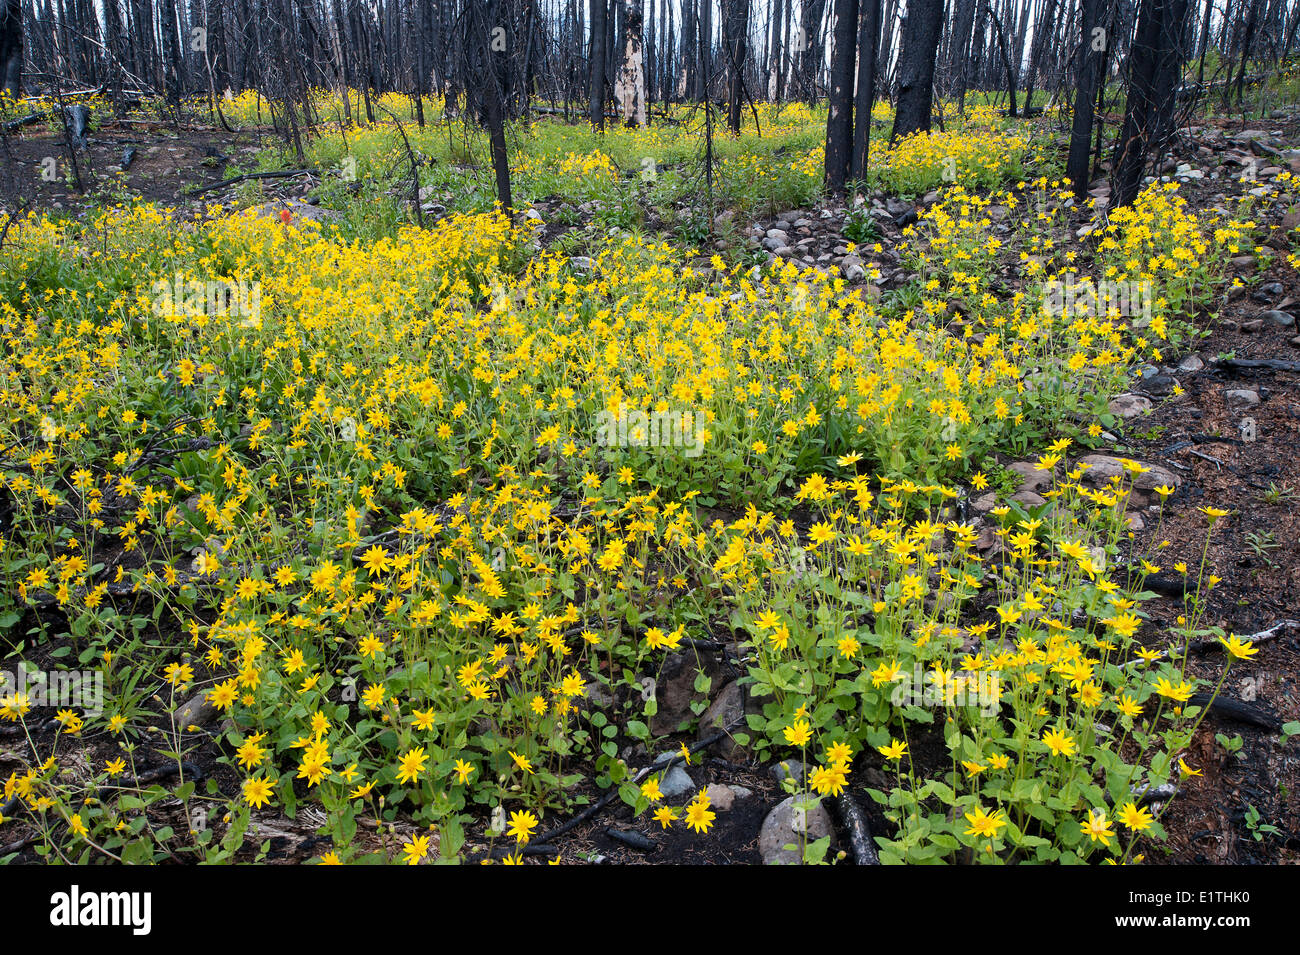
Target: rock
column 1102, row 467
column 297, row 209
column 1296, row 341
column 1028, row 499
column 676, row 782
column 779, row 234
column 1243, row 397
column 726, row 712
column 791, row 825
column 1135, row 521
column 196, row 711
column 1254, row 325
column 674, row 692
column 1031, row 479
column 583, row 263
column 1280, row 319
column 1159, row 385
column 1243, row 263
column 721, row 797
column 897, row 207
column 775, row 245
column 853, row 270
column 1190, row 364
column 985, row 502
column 1129, row 405
column 790, row 769
column 930, row 198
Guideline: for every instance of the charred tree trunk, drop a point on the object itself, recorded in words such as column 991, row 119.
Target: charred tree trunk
column 839, row 116
column 1154, row 68
column 630, row 91
column 596, row 61
column 11, row 47
column 921, row 32
column 735, row 26
column 868, row 45
column 1090, row 56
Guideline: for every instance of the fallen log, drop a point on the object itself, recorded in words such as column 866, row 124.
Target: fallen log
column 1272, row 364
column 284, row 174
column 1238, row 710
column 855, row 821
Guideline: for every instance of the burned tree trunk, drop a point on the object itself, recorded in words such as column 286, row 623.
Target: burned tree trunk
column 11, row 47
column 596, row 61
column 1155, row 66
column 630, row 89
column 868, row 44
column 921, row 32
column 1091, row 53
column 839, row 116
column 735, row 26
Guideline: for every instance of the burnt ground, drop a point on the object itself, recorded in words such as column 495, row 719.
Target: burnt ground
column 1256, row 552
column 166, row 160
column 1198, row 434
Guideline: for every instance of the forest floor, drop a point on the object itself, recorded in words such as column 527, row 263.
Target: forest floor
column 1232, row 451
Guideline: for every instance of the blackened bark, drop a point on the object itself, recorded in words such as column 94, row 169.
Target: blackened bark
column 1091, row 53
column 11, row 47
column 868, row 46
column 1154, row 69
column 735, row 25
column 596, row 61
column 839, row 116
column 921, row 32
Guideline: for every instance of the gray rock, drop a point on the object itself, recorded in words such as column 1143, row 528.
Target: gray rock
column 1028, row 499
column 791, row 825
column 1031, row 479
column 1129, row 406
column 790, row 769
column 1280, row 319
column 1102, row 467
column 726, row 712
column 775, row 245
column 780, row 234
column 1159, row 385
column 196, row 711
column 676, row 783
column 721, row 797
column 1242, row 396
column 1190, row 364
column 985, row 502
column 583, row 263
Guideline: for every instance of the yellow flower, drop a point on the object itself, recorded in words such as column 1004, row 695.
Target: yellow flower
column 984, row 824
column 1237, row 648
column 522, row 824
column 1059, row 743
column 798, row 733
column 896, row 749
column 1098, row 827
column 1133, row 818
